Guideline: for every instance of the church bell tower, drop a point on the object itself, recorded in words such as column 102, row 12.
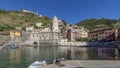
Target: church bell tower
column 55, row 25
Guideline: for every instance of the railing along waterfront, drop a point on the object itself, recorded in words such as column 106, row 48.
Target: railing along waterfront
column 73, row 43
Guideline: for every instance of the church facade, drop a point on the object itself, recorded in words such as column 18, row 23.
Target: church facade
column 45, row 35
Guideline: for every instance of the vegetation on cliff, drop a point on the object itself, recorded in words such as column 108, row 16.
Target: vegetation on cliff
column 11, row 19
column 92, row 24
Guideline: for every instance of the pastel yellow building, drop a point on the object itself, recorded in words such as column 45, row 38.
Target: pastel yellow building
column 15, row 33
column 15, row 37
column 83, row 33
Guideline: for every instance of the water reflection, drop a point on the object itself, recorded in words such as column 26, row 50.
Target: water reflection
column 41, row 53
column 24, row 56
column 89, row 53
column 106, row 53
column 15, row 56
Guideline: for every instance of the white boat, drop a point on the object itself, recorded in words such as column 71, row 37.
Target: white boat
column 38, row 64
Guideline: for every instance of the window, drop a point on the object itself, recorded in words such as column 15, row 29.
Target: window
column 102, row 33
column 102, row 36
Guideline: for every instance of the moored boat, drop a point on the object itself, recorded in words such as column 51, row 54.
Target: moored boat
column 13, row 47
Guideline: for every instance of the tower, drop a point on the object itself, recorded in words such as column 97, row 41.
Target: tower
column 55, row 24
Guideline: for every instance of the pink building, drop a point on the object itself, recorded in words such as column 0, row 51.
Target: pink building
column 64, row 32
column 72, row 35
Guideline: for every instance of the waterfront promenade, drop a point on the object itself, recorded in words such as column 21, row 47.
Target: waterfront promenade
column 73, row 43
column 87, row 64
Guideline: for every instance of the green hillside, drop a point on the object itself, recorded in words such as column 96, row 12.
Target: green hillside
column 11, row 19
column 92, row 24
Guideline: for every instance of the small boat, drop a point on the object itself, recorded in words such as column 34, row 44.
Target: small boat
column 13, row 47
column 38, row 64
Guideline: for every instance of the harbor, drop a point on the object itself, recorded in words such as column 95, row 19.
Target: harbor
column 59, row 34
column 23, row 56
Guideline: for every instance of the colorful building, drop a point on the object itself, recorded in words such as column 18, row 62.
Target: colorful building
column 15, row 33
column 82, row 32
column 64, row 32
column 72, row 35
column 104, row 34
column 15, row 37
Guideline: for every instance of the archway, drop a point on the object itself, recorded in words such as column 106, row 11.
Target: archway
column 35, row 43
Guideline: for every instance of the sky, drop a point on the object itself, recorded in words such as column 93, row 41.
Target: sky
column 72, row 11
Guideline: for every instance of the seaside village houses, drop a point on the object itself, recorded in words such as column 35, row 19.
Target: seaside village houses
column 55, row 34
column 69, row 33
column 73, row 32
column 105, row 34
column 51, row 35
